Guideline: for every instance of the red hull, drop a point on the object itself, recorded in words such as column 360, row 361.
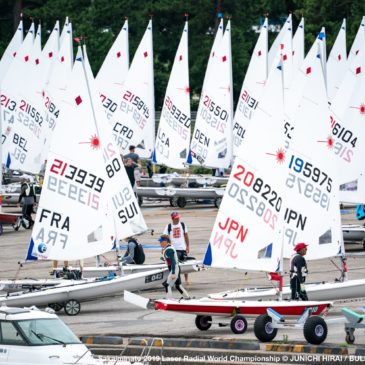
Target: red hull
column 8, row 218
column 283, row 309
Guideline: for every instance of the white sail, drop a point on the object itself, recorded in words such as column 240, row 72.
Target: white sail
column 275, row 47
column 285, row 54
column 348, row 128
column 50, row 51
column 87, row 200
column 217, row 40
column 358, row 43
column 211, row 143
column 252, row 88
column 247, row 233
column 298, row 46
column 337, row 63
column 311, row 199
column 22, row 119
column 133, row 121
column 293, row 96
column 114, row 69
column 173, row 135
column 321, row 39
column 67, row 34
column 110, row 80
column 11, row 50
column 55, row 87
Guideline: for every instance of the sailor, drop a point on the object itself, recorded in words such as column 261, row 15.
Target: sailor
column 298, row 272
column 27, row 194
column 170, row 256
column 178, row 233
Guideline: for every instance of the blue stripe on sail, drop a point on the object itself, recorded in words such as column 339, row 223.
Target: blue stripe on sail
column 278, row 267
column 154, row 160
column 268, row 252
column 30, row 256
column 8, row 161
column 265, row 252
column 321, row 36
column 190, row 158
column 208, row 258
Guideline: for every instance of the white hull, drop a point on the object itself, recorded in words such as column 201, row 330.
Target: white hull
column 84, row 291
column 89, row 273
column 353, row 232
column 190, row 193
column 185, row 180
column 93, row 272
column 317, row 291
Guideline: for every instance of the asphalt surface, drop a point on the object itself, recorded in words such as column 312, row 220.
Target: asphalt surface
column 113, row 316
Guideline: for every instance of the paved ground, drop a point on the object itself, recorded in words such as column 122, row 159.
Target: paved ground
column 114, row 316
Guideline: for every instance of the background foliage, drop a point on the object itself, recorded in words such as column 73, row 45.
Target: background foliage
column 100, row 22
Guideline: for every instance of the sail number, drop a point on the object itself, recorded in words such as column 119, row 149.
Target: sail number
column 177, row 113
column 215, row 108
column 77, row 175
column 341, row 133
column 317, row 176
column 258, row 186
column 247, row 104
column 137, row 102
column 344, row 138
column 7, row 102
column 308, row 190
column 251, row 202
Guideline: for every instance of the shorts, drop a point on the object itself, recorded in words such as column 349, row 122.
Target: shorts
column 181, row 255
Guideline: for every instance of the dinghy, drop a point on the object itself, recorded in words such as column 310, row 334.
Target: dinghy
column 173, row 134
column 87, row 202
column 211, row 143
column 248, row 232
column 311, row 220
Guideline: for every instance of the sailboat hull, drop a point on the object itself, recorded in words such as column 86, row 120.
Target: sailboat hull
column 185, row 267
column 353, row 232
column 317, row 291
column 213, row 307
column 190, row 193
column 84, row 291
column 9, row 218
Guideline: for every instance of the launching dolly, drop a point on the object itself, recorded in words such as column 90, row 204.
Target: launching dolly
column 314, row 327
column 353, row 321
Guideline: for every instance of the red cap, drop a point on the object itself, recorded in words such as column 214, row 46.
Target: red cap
column 299, row 246
column 175, row 215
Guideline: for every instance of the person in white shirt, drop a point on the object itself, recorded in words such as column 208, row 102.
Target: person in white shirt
column 178, row 233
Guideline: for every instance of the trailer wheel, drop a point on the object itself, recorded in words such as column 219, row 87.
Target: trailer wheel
column 315, row 330
column 55, row 306
column 72, row 307
column 264, row 331
column 238, row 324
column 350, row 339
column 173, row 201
column 140, row 200
column 363, row 244
column 203, row 322
column 217, row 202
column 181, row 202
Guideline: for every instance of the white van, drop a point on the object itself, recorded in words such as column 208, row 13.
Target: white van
column 30, row 336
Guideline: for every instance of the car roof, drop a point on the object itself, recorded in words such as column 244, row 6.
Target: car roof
column 15, row 313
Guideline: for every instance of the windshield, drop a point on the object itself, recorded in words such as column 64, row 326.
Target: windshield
column 47, row 332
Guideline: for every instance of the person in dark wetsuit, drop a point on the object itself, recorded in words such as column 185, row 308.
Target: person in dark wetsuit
column 298, row 273
column 170, row 255
column 129, row 168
